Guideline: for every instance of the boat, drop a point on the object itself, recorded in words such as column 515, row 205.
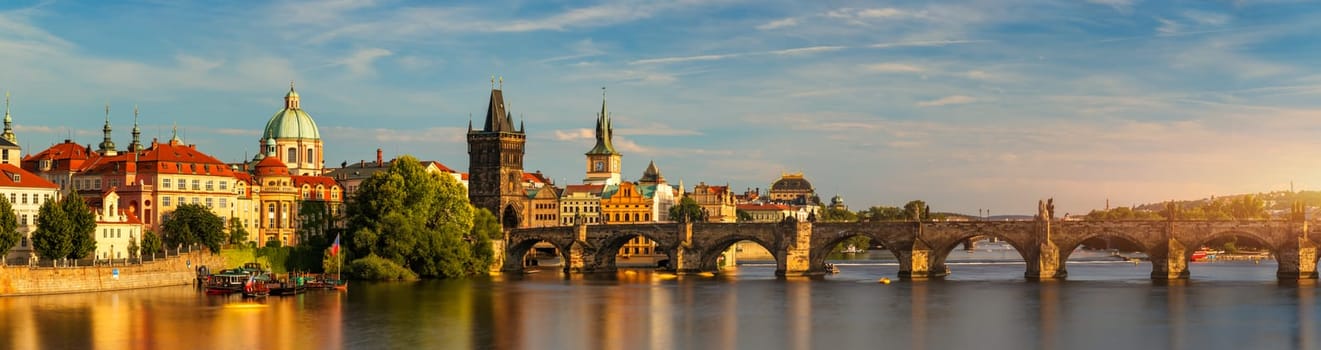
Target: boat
column 294, row 285
column 324, row 282
column 256, row 286
column 831, row 268
column 851, row 249
column 1202, row 255
column 226, row 282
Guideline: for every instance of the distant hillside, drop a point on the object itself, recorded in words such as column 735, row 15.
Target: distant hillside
column 1275, row 201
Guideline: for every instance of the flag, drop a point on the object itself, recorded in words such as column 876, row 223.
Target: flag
column 334, row 248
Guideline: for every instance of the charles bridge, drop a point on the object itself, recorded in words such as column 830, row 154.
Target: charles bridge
column 921, row 247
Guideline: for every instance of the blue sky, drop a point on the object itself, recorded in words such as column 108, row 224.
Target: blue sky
column 967, row 105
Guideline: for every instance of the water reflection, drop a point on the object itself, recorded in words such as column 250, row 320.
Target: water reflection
column 642, row 309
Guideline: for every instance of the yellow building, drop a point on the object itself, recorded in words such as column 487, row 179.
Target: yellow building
column 277, row 200
column 717, row 201
column 116, row 230
column 626, row 205
column 581, row 201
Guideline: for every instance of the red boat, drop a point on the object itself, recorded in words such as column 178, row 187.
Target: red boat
column 1201, row 255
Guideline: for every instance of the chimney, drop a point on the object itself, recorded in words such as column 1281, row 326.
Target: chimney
column 378, row 157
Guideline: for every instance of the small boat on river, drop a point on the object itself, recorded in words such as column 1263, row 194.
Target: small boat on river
column 226, row 282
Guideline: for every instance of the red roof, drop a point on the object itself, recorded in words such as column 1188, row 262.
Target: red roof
column 272, row 166
column 67, row 156
column 176, row 158
column 535, row 177
column 244, row 177
column 465, row 176
column 325, row 181
column 594, row 189
column 17, row 177
column 438, row 165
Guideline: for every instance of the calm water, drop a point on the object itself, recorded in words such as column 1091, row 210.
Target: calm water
column 985, row 304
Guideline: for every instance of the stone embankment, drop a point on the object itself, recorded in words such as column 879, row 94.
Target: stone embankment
column 172, row 271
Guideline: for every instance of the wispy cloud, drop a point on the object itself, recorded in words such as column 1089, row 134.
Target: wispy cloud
column 1123, row 6
column 360, row 63
column 947, row 100
column 892, row 68
column 796, row 51
column 779, row 23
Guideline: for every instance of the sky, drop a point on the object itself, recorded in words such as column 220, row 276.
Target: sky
column 968, row 105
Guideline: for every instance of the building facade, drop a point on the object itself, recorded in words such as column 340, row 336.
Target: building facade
column 495, row 164
column 581, row 202
column 717, row 201
column 26, row 192
column 793, row 189
column 118, row 233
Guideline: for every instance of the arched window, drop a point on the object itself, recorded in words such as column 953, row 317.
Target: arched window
column 293, row 155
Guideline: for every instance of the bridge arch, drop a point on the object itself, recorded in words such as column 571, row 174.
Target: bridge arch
column 608, row 248
column 820, row 252
column 947, row 246
column 1257, row 237
column 516, row 251
column 1067, row 247
column 711, row 253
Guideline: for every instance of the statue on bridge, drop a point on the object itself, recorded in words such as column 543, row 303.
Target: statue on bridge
column 1046, row 209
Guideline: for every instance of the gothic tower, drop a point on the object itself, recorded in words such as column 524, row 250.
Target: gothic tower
column 495, row 163
column 603, row 166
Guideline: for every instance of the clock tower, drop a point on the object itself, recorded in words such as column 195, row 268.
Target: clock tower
column 495, row 163
column 603, row 166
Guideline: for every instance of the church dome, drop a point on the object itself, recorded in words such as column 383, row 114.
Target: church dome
column 792, row 182
column 291, row 122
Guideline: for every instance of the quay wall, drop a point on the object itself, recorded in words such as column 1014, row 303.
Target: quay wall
column 171, row 271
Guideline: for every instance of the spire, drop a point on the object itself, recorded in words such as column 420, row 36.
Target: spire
column 497, row 114
column 652, row 175
column 107, row 145
column 136, row 145
column 9, row 129
column 174, row 134
column 604, row 131
column 291, row 98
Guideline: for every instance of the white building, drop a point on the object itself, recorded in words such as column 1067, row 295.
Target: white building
column 26, row 192
column 116, row 229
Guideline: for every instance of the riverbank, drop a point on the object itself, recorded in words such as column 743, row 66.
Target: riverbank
column 171, row 271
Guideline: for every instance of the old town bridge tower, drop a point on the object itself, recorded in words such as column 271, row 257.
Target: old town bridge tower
column 495, row 163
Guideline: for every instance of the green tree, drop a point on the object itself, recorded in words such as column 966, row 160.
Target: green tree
column 837, row 215
column 314, row 219
column 237, row 233
column 917, row 209
column 743, row 216
column 194, row 223
column 485, row 225
column 65, row 229
column 9, row 235
column 84, row 223
column 881, row 213
column 133, row 247
column 418, row 220
column 689, row 210
column 151, row 243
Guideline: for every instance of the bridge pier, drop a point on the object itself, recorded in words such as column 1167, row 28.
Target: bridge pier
column 1169, row 261
column 497, row 256
column 1046, row 262
column 796, row 260
column 1298, row 257
column 685, row 258
column 918, row 261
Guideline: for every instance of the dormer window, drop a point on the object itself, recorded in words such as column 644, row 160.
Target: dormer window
column 16, row 177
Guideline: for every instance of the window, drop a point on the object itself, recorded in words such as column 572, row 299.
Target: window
column 270, row 215
column 25, row 198
column 224, row 185
column 311, row 155
column 23, row 222
column 165, row 183
column 222, row 203
column 165, row 201
column 98, row 184
column 293, row 155
column 209, row 202
column 210, row 185
column 13, row 198
column 197, row 185
column 196, row 200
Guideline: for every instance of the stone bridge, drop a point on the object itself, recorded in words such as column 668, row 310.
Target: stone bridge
column 800, row 248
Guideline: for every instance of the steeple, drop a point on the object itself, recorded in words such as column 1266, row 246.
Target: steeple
column 604, row 131
column 107, row 146
column 498, row 118
column 174, row 135
column 652, row 175
column 136, row 145
column 9, row 128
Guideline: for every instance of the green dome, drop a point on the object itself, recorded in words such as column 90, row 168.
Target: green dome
column 291, row 122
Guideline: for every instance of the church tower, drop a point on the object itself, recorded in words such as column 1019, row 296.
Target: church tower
column 603, row 166
column 495, row 163
column 297, row 140
column 107, row 146
column 10, row 152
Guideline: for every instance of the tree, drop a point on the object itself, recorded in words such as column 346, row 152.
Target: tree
column 9, row 235
column 917, row 210
column 837, row 215
column 151, row 243
column 133, row 246
column 880, row 213
column 84, row 225
column 64, row 229
column 688, row 210
column 237, row 233
column 418, row 220
column 194, row 223
column 485, row 225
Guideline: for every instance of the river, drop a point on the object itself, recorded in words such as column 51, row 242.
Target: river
column 984, row 304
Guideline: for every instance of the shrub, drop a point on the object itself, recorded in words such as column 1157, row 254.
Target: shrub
column 376, row 268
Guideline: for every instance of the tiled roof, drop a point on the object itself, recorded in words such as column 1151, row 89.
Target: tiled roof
column 325, row 181
column 271, row 166
column 593, row 189
column 16, row 177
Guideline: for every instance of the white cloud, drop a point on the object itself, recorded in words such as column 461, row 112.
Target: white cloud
column 892, row 68
column 947, row 100
column 807, row 50
column 777, row 24
column 681, row 59
column 575, row 134
column 1123, row 6
column 360, row 63
column 865, row 14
